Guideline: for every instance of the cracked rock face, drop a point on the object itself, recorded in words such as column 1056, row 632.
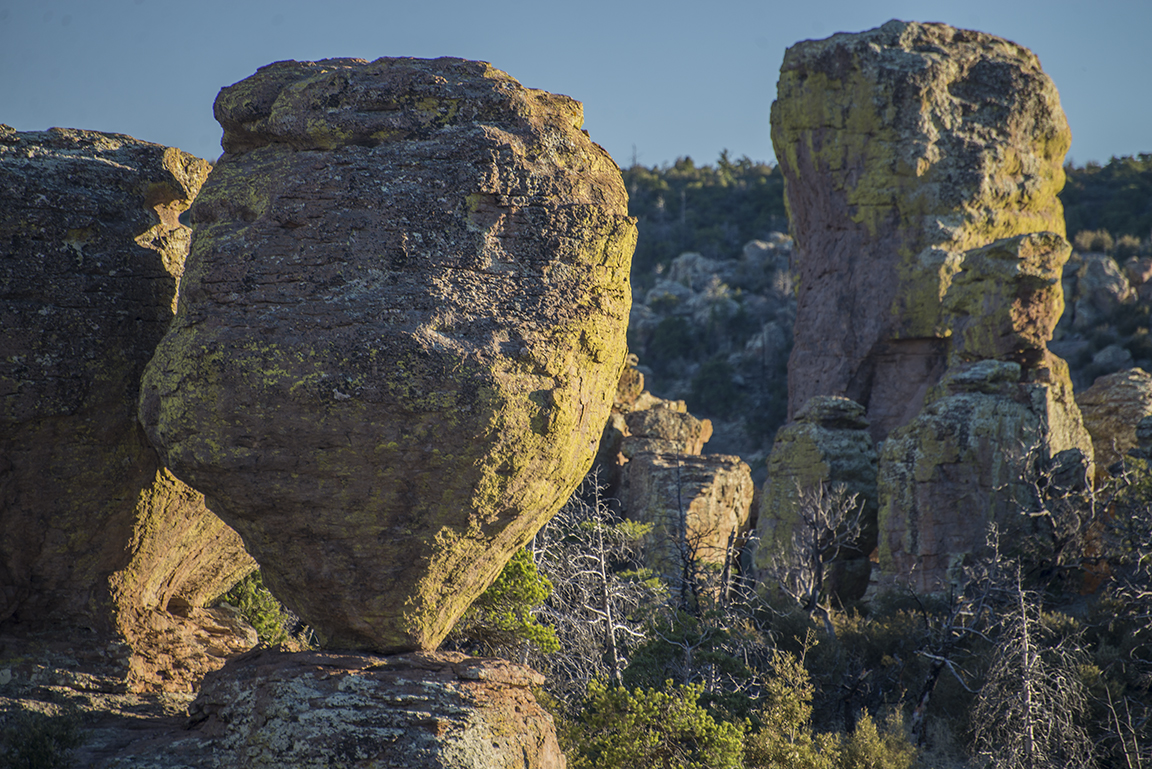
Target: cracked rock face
column 94, row 533
column 400, row 329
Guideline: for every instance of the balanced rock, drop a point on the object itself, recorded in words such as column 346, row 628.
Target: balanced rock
column 827, row 444
column 400, row 330
column 904, row 148
column 94, row 532
column 1113, row 407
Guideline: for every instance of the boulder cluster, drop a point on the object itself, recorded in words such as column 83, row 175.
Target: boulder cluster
column 385, row 351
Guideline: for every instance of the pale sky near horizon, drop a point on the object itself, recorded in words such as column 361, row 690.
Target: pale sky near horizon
column 661, row 80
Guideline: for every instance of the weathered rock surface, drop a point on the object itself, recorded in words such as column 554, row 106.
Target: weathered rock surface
column 904, row 149
column 959, row 466
column 697, row 502
column 1112, row 407
column 922, row 165
column 308, row 709
column 94, row 533
column 828, row 443
column 399, row 333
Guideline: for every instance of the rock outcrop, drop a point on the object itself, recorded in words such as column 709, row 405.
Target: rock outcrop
column 922, row 165
column 1112, row 407
column 955, row 469
column 400, row 326
column 308, row 709
column 651, row 468
column 903, row 148
column 96, row 537
column 828, row 443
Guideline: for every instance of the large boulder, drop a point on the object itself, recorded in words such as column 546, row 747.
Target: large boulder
column 903, row 149
column 94, row 532
column 922, row 165
column 1112, row 407
column 400, row 329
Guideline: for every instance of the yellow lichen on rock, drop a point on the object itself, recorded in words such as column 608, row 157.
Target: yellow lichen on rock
column 402, row 325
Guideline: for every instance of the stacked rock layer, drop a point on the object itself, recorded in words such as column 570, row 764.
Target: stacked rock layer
column 400, row 327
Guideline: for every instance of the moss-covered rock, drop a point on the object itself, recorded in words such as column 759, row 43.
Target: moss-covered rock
column 399, row 336
column 94, row 533
column 961, row 465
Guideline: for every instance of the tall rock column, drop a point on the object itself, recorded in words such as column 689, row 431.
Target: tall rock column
column 902, row 148
column 922, row 165
column 94, row 532
column 400, row 328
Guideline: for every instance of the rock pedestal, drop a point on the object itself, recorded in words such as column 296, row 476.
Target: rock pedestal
column 97, row 539
column 399, row 332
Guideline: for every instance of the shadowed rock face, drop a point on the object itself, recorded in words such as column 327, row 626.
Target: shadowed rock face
column 399, row 332
column 827, row 444
column 903, row 148
column 94, row 533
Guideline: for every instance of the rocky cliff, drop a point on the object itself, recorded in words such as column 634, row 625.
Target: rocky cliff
column 400, row 327
column 97, row 540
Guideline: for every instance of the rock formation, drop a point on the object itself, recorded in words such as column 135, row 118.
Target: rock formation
column 1113, row 406
column 956, row 468
column 651, row 463
column 902, row 149
column 96, row 537
column 399, row 330
column 921, row 167
column 828, row 444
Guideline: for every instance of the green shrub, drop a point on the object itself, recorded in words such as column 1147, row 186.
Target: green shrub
column 870, row 747
column 260, row 608
column 785, row 739
column 503, row 617
column 650, row 729
column 33, row 740
column 1126, row 246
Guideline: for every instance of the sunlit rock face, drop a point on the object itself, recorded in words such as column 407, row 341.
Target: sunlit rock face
column 96, row 537
column 922, row 165
column 399, row 333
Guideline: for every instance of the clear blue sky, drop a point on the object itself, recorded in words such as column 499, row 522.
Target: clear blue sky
column 669, row 78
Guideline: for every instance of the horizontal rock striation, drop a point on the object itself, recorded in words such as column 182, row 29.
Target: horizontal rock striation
column 399, row 332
